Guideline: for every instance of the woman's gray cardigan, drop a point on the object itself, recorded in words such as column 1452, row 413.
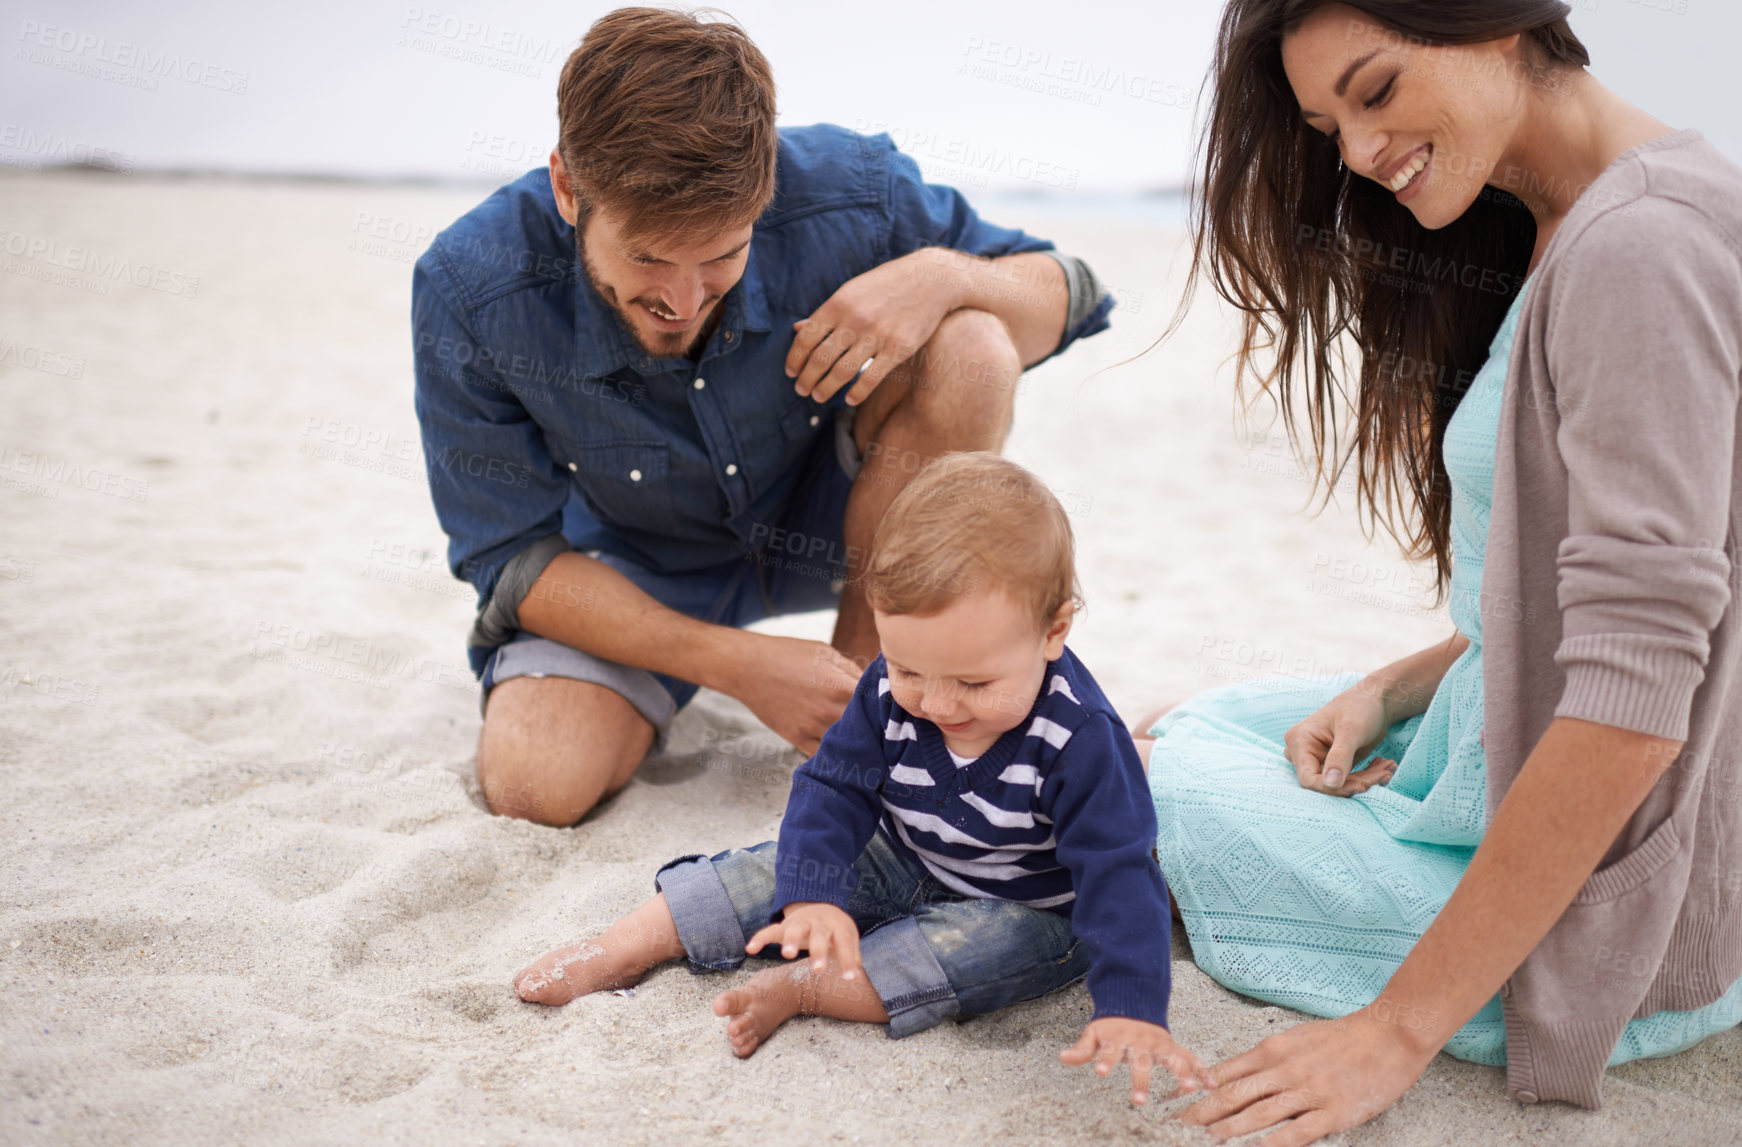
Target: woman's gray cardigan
column 1608, row 595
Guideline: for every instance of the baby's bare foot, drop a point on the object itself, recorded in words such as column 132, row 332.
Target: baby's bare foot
column 770, row 999
column 560, row 975
column 616, row 959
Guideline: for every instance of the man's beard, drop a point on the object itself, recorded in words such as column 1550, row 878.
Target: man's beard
column 665, row 344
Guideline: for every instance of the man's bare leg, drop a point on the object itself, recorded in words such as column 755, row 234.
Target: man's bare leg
column 552, row 748
column 957, row 393
column 615, row 959
column 775, row 995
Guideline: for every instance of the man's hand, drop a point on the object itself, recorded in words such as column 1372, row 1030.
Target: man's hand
column 820, row 929
column 1113, row 1039
column 886, row 314
column 797, row 688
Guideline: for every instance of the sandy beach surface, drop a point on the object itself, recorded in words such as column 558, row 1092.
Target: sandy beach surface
column 251, row 894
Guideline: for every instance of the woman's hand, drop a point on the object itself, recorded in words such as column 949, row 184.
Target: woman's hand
column 1322, row 1077
column 1324, row 748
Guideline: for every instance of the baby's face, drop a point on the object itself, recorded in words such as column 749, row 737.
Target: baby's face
column 973, row 669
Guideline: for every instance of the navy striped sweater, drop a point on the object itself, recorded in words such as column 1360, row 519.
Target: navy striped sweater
column 1056, row 814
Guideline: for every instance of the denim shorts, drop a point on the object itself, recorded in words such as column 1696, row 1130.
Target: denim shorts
column 772, row 582
column 929, row 952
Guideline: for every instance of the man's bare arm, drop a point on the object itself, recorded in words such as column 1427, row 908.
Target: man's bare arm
column 1028, row 291
column 878, row 320
column 797, row 688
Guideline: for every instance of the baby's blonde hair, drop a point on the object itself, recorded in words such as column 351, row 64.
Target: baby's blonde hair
column 969, row 523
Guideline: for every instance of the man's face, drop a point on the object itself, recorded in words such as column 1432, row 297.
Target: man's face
column 665, row 292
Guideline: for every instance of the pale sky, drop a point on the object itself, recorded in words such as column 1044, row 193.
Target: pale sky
column 1058, row 97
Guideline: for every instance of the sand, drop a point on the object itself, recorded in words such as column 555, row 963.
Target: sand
column 251, row 893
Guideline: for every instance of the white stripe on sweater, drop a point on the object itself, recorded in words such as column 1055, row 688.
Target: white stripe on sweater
column 1051, row 732
column 992, row 866
column 908, row 775
column 950, row 834
column 1002, row 817
column 902, row 731
column 1060, row 685
column 1021, row 775
column 950, row 880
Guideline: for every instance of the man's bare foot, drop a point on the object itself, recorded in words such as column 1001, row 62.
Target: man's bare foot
column 616, row 959
column 772, row 997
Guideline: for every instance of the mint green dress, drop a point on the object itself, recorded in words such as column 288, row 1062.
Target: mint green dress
column 1312, row 901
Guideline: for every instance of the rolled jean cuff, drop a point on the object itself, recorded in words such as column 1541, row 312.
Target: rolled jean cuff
column 706, row 921
column 907, row 977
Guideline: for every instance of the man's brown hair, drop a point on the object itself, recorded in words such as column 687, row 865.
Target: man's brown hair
column 667, row 120
column 971, row 523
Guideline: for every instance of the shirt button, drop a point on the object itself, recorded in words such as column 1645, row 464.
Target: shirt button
column 731, row 469
column 635, row 475
column 573, row 467
column 729, row 336
column 816, row 418
column 701, row 382
column 1527, row 1097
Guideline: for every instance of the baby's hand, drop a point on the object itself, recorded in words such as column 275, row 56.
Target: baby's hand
column 819, row 927
column 1111, row 1039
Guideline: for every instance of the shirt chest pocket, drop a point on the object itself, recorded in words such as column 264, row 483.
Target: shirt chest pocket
column 625, row 482
column 803, row 419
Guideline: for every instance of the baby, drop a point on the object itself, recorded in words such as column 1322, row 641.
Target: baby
column 975, row 830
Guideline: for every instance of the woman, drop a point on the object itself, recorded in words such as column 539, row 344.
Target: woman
column 1516, row 845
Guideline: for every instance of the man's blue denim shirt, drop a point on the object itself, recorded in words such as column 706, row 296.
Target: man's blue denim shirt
column 540, row 413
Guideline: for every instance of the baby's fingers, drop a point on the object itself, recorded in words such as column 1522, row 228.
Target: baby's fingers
column 786, row 933
column 847, row 956
column 1080, row 1052
column 768, row 935
column 1140, row 1066
column 819, row 943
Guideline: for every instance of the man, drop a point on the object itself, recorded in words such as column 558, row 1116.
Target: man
column 668, row 387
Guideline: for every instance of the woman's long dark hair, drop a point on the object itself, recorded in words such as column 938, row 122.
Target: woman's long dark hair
column 1317, row 257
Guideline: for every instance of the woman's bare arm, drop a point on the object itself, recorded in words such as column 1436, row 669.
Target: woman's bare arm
column 1407, row 685
column 1570, row 801
column 1324, row 746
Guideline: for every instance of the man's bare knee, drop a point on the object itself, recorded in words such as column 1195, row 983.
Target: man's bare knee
column 969, row 368
column 552, row 748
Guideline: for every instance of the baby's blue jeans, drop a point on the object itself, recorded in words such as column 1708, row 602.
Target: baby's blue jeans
column 929, row 952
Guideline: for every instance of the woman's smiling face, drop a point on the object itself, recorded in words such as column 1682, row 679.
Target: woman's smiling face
column 1428, row 122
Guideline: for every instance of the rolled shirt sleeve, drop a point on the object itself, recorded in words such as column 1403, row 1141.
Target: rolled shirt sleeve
column 496, row 489
column 934, row 215
column 1645, row 360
